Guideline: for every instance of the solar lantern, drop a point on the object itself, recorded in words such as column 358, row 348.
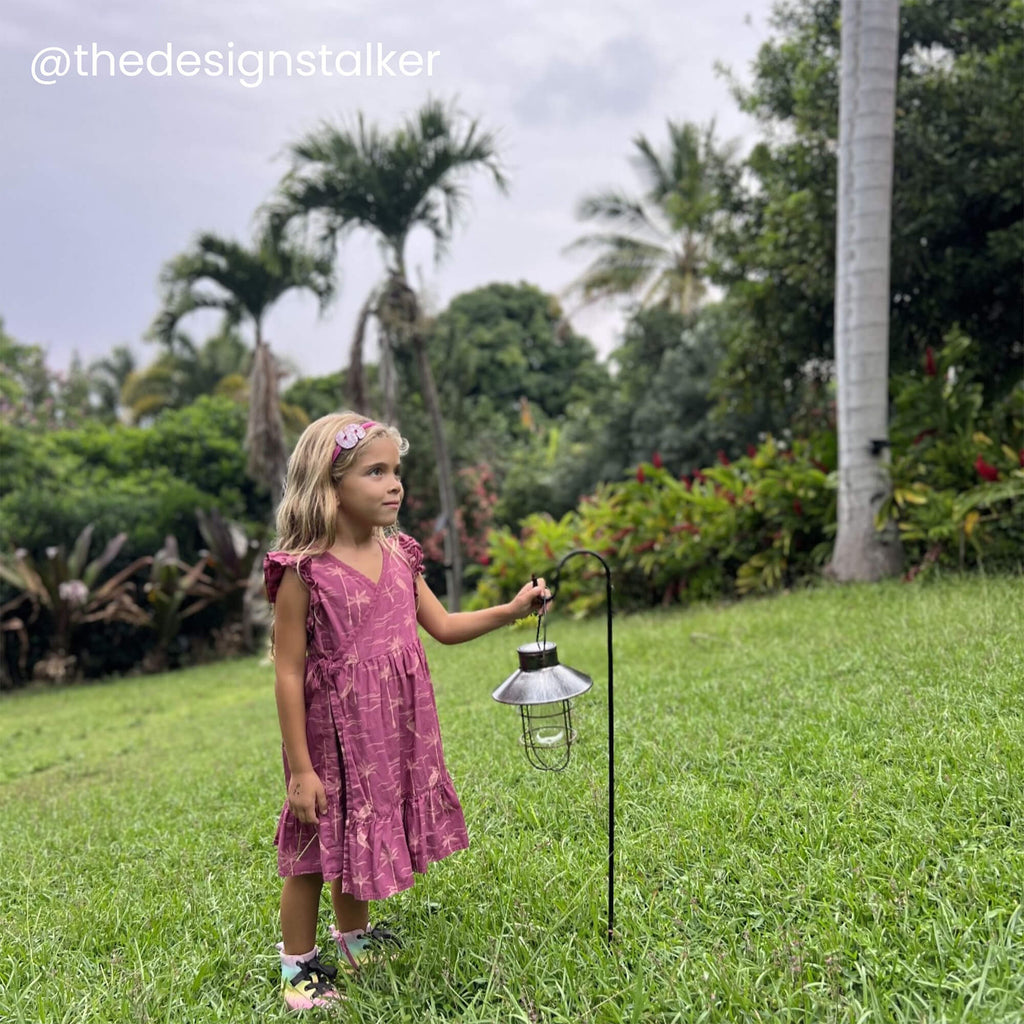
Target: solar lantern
column 543, row 689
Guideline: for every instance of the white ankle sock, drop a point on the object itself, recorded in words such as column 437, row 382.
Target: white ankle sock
column 294, row 959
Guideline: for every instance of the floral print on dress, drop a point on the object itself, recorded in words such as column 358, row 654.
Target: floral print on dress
column 371, row 729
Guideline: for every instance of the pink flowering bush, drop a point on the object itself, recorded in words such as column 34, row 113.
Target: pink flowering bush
column 474, row 517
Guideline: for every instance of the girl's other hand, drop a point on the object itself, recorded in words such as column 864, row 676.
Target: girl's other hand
column 534, row 597
column 307, row 797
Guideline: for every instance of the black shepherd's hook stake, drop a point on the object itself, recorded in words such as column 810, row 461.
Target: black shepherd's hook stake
column 553, row 587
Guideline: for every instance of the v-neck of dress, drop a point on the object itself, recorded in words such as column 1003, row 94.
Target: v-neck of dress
column 362, row 575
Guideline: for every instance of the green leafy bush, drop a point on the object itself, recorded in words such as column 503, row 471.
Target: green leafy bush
column 146, row 506
column 754, row 524
column 957, row 467
column 144, row 481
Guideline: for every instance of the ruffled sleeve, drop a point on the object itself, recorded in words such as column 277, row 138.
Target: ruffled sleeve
column 274, row 565
column 411, row 552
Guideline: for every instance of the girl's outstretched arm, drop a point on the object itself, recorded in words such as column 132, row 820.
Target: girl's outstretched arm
column 306, row 795
column 457, row 627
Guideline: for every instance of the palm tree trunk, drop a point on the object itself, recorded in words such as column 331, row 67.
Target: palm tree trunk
column 264, row 434
column 867, row 96
column 388, row 378
column 267, row 460
column 446, row 486
column 356, row 383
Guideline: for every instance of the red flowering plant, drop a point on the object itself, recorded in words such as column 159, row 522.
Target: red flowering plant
column 957, row 475
column 793, row 493
column 755, row 523
column 476, row 512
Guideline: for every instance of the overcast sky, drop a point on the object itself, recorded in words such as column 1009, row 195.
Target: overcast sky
column 105, row 178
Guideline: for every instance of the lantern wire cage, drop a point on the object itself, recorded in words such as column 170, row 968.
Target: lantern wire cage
column 548, row 734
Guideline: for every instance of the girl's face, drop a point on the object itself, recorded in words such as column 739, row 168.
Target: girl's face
column 370, row 492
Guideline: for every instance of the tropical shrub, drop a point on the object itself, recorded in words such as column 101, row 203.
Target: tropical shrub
column 743, row 526
column 175, row 592
column 143, row 481
column 957, row 467
column 232, row 553
column 68, row 588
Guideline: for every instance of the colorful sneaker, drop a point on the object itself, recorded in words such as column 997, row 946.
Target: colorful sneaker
column 308, row 984
column 355, row 951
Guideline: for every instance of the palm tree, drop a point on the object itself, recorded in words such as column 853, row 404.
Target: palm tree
column 184, row 372
column 389, row 184
column 108, row 375
column 656, row 247
column 247, row 282
column 867, row 101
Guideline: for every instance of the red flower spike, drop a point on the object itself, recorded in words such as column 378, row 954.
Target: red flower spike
column 684, row 528
column 722, row 457
column 640, row 477
column 751, row 450
column 929, row 362
column 656, row 460
column 985, row 471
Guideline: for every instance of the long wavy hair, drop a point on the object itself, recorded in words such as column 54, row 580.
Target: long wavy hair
column 307, row 514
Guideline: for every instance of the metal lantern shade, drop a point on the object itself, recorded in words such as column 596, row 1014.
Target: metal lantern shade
column 543, row 690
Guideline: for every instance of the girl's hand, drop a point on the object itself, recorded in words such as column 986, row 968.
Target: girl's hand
column 534, row 597
column 307, row 797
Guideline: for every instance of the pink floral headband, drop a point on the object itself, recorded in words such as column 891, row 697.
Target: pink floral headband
column 350, row 436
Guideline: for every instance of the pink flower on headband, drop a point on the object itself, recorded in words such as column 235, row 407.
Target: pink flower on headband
column 350, row 436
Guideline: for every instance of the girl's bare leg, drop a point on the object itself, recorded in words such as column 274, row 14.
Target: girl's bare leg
column 300, row 903
column 349, row 913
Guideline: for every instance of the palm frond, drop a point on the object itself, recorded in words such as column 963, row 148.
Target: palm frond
column 658, row 250
column 624, row 267
column 356, row 176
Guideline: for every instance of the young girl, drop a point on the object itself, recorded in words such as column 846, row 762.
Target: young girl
column 369, row 800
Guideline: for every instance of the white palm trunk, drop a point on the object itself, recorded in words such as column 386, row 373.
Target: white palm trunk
column 867, row 100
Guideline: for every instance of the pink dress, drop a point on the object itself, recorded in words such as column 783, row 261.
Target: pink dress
column 372, row 730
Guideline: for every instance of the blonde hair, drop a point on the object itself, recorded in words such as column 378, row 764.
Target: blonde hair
column 307, row 515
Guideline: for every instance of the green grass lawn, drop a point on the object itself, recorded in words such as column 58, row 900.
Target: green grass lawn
column 821, row 818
